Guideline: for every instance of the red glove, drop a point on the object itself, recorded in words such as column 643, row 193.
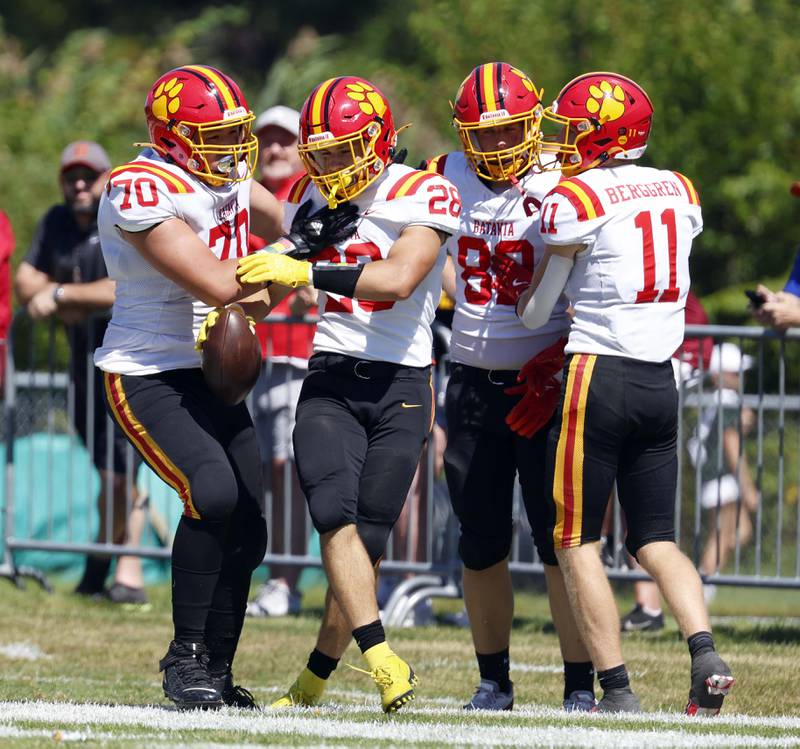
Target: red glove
column 539, row 389
column 510, row 279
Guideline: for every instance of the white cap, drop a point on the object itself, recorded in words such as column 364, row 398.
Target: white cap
column 727, row 357
column 284, row 117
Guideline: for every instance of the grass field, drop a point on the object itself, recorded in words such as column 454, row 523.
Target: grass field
column 76, row 671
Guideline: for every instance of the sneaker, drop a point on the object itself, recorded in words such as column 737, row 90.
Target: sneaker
column 489, row 697
column 638, row 620
column 186, row 679
column 420, row 616
column 580, row 701
column 233, row 695
column 120, row 593
column 711, row 681
column 618, row 701
column 305, row 692
column 274, row 599
column 395, row 680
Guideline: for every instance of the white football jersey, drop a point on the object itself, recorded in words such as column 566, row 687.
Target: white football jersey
column 155, row 321
column 486, row 330
column 397, row 332
column 629, row 286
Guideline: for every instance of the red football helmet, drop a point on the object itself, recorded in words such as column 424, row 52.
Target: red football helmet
column 189, row 106
column 496, row 95
column 347, row 137
column 602, row 116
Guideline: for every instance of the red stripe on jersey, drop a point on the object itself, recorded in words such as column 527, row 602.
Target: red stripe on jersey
column 688, row 187
column 174, row 183
column 409, row 184
column 298, row 188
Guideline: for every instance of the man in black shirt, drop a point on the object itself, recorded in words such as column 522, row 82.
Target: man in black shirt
column 64, row 274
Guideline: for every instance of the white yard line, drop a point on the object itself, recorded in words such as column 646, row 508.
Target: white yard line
column 333, row 724
column 22, row 651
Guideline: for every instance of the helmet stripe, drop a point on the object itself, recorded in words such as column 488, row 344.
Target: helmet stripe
column 478, row 93
column 488, row 88
column 498, row 77
column 232, row 86
column 217, row 82
column 318, row 106
column 209, row 85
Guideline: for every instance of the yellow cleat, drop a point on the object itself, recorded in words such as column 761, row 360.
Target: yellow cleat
column 395, row 680
column 305, row 692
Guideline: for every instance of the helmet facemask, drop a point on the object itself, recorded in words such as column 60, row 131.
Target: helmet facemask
column 323, row 153
column 218, row 162
column 508, row 163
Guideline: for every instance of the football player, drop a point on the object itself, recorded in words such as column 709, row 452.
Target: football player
column 366, row 406
column 496, row 426
column 172, row 224
column 618, row 241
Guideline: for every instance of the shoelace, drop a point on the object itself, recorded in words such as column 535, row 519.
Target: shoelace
column 193, row 669
column 238, row 693
column 380, row 675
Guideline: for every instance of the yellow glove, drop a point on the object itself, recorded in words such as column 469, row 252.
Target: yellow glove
column 211, row 321
column 263, row 267
column 205, row 326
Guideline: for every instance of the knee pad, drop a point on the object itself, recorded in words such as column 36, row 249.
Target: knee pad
column 374, row 537
column 254, row 543
column 328, row 511
column 544, row 547
column 215, row 493
column 635, row 541
column 481, row 552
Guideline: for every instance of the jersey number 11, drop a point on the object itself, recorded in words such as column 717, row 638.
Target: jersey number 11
column 650, row 293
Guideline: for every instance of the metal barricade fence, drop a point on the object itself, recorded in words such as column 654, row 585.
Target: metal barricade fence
column 51, row 485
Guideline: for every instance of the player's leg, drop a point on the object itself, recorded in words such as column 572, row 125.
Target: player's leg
column 244, row 549
column 166, row 418
column 647, row 486
column 581, row 467
column 399, row 418
column 480, row 467
column 531, row 458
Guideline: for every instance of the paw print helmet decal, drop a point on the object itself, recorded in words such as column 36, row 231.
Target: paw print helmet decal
column 600, row 116
column 198, row 117
column 347, row 137
column 497, row 96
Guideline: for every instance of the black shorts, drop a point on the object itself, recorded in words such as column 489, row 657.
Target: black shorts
column 482, row 458
column 360, row 428
column 206, row 451
column 617, row 420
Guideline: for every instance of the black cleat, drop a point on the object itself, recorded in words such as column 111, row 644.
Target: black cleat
column 711, row 681
column 637, row 620
column 233, row 695
column 618, row 701
column 186, row 679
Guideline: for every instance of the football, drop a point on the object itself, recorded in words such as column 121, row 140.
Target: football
column 231, row 358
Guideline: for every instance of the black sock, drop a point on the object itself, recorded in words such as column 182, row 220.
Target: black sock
column 196, row 565
column 578, row 677
column 369, row 635
column 495, row 667
column 321, row 665
column 614, row 678
column 699, row 643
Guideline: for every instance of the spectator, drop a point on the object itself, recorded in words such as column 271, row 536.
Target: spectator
column 63, row 274
column 780, row 310
column 728, row 481
column 286, row 347
column 6, row 251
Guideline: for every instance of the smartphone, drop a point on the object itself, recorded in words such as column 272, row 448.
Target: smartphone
column 756, row 298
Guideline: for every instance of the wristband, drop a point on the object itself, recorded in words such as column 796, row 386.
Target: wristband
column 338, row 279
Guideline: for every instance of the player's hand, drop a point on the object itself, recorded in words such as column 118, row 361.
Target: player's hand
column 205, row 326
column 539, row 388
column 211, row 321
column 510, row 278
column 270, row 267
column 310, row 234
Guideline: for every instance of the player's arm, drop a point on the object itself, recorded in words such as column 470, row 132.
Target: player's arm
column 266, row 213
column 174, row 249
column 410, row 259
column 449, row 278
column 536, row 304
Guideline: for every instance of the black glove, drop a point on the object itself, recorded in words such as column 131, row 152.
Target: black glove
column 312, row 234
column 399, row 157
